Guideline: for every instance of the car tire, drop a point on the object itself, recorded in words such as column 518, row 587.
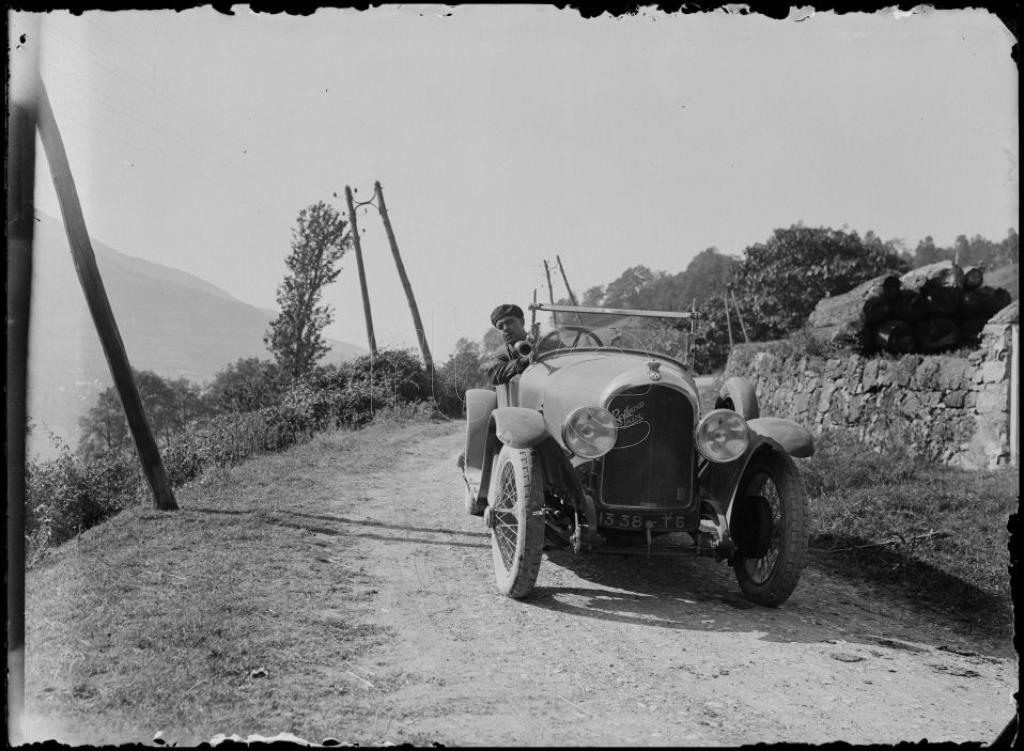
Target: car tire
column 738, row 395
column 769, row 572
column 516, row 497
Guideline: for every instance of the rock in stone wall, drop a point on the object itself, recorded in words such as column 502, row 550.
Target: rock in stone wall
column 944, row 408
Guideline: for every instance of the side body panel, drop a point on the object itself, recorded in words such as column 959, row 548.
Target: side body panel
column 479, row 405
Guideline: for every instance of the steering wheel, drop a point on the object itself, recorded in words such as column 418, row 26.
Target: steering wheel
column 556, row 341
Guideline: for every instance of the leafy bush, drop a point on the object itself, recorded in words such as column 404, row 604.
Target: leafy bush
column 64, row 496
column 246, row 385
column 465, row 369
column 779, row 282
column 67, row 495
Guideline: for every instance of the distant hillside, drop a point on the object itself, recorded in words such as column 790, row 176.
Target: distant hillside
column 171, row 322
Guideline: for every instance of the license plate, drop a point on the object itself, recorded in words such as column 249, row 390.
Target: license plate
column 642, row 521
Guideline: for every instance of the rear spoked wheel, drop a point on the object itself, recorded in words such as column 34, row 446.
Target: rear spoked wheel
column 516, row 519
column 769, row 528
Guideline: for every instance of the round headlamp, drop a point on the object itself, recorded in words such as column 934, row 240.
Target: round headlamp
column 590, row 432
column 721, row 436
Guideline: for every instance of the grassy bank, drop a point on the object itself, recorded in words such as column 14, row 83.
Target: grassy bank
column 235, row 614
column 934, row 535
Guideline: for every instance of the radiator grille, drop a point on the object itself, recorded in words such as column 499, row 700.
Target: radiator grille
column 651, row 465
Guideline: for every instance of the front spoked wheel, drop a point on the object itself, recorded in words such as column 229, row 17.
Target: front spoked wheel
column 769, row 527
column 516, row 497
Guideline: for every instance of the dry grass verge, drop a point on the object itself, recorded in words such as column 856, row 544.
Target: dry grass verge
column 228, row 616
column 934, row 535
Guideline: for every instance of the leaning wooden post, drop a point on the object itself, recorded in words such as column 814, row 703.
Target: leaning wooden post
column 420, row 333
column 728, row 322
column 551, row 292
column 21, row 161
column 739, row 315
column 362, row 273
column 572, row 297
column 1014, row 394
column 99, row 306
column 566, row 280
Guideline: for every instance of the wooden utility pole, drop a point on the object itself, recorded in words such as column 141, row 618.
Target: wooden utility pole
column 743, row 326
column 362, row 273
column 21, row 161
column 420, row 333
column 99, row 305
column 551, row 291
column 564, row 279
column 728, row 323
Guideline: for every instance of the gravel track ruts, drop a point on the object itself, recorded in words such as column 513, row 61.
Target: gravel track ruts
column 629, row 651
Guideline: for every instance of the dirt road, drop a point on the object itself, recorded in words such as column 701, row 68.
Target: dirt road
column 626, row 651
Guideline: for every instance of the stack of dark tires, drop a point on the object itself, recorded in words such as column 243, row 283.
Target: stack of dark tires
column 930, row 309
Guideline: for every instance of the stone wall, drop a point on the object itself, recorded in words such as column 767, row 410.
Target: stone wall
column 950, row 409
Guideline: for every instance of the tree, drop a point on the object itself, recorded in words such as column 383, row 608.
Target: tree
column 1009, row 249
column 494, row 341
column 465, row 369
column 926, row 252
column 319, row 241
column 104, row 427
column 246, row 385
column 170, row 405
column 628, row 291
column 592, row 297
column 779, row 282
column 707, row 275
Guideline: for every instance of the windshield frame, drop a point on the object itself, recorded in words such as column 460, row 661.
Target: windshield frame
column 675, row 315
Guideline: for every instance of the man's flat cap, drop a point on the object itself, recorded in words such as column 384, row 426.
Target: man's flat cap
column 506, row 310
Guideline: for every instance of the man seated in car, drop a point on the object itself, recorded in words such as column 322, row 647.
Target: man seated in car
column 510, row 321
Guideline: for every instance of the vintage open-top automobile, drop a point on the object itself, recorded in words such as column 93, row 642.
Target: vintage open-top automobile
column 599, row 445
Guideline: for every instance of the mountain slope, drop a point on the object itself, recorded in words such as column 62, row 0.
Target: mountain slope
column 171, row 322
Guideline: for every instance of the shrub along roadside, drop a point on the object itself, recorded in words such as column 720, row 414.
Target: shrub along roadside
column 873, row 514
column 68, row 495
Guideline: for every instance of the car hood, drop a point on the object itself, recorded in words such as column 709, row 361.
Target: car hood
column 558, row 384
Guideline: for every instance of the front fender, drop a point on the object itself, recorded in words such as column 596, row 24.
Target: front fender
column 794, row 439
column 768, row 434
column 519, row 427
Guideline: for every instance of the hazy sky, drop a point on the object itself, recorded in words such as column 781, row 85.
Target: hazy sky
column 504, row 135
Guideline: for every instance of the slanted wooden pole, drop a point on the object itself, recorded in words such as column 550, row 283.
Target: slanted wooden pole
column 564, row 279
column 1014, row 394
column 728, row 322
column 21, row 159
column 743, row 326
column 420, row 333
column 572, row 297
column 551, row 291
column 362, row 273
column 99, row 306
